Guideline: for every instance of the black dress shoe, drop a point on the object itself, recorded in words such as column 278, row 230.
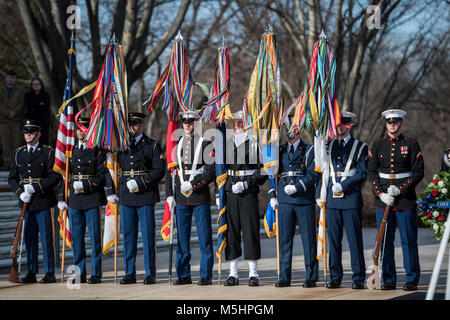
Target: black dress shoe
column 253, row 282
column 29, row 278
column 282, row 284
column 358, row 284
column 309, row 284
column 95, row 279
column 82, row 280
column 388, row 286
column 128, row 279
column 204, row 282
column 231, row 281
column 49, row 278
column 181, row 281
column 409, row 286
column 149, row 280
column 333, row 284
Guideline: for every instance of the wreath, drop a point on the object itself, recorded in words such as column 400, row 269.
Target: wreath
column 433, row 205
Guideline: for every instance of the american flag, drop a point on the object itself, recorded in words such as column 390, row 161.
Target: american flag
column 65, row 139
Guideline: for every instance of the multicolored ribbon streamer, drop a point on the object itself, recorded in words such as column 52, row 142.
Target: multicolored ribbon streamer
column 317, row 107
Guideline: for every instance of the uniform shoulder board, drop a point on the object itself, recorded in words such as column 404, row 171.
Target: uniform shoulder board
column 19, row 148
column 47, row 146
column 410, row 139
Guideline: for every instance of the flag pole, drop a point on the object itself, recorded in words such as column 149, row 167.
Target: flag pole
column 115, row 219
column 172, row 215
column 66, row 187
column 277, row 236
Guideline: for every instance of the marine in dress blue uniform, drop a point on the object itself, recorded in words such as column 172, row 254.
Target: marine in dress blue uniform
column 32, row 179
column 395, row 168
column 348, row 171
column 295, row 191
column 195, row 170
column 87, row 193
column 142, row 167
column 242, row 188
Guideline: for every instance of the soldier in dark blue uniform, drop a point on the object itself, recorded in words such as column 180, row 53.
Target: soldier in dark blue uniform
column 142, row 168
column 32, row 179
column 195, row 170
column 242, row 188
column 395, row 168
column 348, row 170
column 87, row 193
column 295, row 191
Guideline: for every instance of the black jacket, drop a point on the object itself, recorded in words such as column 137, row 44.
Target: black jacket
column 394, row 156
column 200, row 193
column 147, row 158
column 37, row 107
column 89, row 167
column 244, row 157
column 38, row 166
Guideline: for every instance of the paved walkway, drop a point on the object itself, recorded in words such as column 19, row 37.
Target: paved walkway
column 268, row 276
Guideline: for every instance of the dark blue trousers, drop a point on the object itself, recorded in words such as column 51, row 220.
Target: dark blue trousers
column 407, row 227
column 202, row 215
column 39, row 222
column 130, row 217
column 304, row 215
column 78, row 220
column 351, row 221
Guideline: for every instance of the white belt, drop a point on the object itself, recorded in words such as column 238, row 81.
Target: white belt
column 350, row 173
column 191, row 172
column 292, row 174
column 395, row 176
column 241, row 173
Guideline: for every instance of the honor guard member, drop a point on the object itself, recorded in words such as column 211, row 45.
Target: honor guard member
column 195, row 170
column 142, row 167
column 295, row 201
column 348, row 170
column 32, row 179
column 242, row 188
column 87, row 193
column 395, row 168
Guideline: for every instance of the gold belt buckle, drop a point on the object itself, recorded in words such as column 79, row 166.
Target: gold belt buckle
column 236, row 173
column 392, row 175
column 338, row 195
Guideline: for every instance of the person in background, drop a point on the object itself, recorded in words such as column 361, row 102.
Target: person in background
column 11, row 116
column 37, row 106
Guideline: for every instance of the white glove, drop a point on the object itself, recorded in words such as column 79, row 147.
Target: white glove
column 171, row 202
column 238, row 187
column 78, row 186
column 218, row 202
column 28, row 188
column 132, row 185
column 337, row 188
column 318, row 203
column 112, row 198
column 25, row 197
column 186, row 186
column 274, row 203
column 393, row 191
column 62, row 205
column 290, row 189
column 387, row 199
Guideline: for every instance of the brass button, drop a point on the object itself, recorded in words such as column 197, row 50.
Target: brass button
column 392, row 154
column 29, row 165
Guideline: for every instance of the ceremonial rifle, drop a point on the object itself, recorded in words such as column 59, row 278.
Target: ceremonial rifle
column 374, row 280
column 13, row 273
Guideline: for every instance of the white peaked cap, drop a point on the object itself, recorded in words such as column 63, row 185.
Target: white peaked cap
column 348, row 114
column 189, row 114
column 393, row 113
column 237, row 115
